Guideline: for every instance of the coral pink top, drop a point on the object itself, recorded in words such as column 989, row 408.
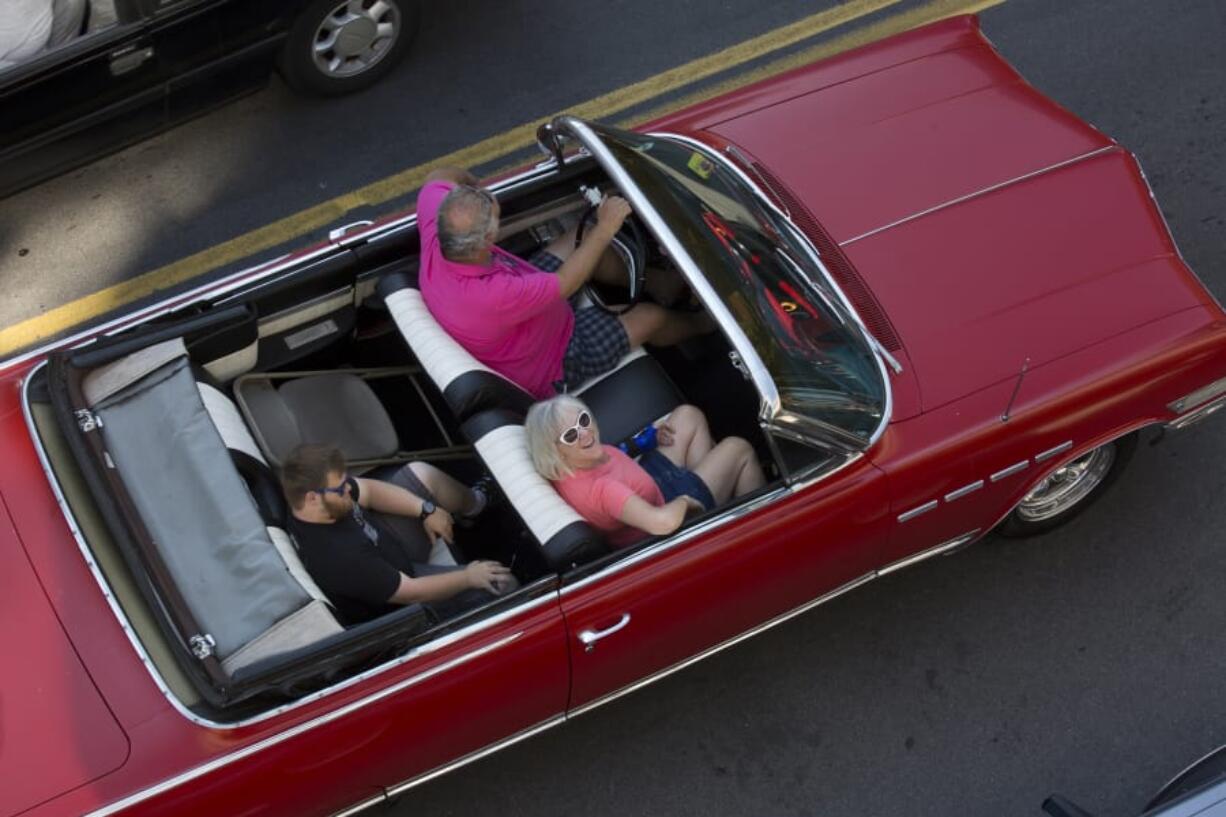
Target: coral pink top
column 599, row 494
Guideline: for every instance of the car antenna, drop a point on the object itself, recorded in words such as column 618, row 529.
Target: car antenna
column 1004, row 418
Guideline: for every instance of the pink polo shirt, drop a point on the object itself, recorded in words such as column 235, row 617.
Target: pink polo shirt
column 599, row 494
column 509, row 315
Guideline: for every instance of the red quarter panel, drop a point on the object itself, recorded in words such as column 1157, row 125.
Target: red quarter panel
column 56, row 732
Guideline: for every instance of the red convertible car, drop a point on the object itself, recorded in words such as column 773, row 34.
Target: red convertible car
column 946, row 307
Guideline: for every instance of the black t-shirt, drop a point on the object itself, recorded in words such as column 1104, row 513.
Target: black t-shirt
column 356, row 563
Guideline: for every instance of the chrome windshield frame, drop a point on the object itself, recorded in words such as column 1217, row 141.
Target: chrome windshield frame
column 803, row 241
column 643, row 208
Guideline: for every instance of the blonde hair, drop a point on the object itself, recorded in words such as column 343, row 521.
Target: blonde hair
column 543, row 426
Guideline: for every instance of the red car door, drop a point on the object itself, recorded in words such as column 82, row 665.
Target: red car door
column 655, row 609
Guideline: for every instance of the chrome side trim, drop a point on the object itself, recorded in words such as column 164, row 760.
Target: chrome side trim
column 678, row 540
column 307, row 726
column 804, row 608
column 964, row 490
column 531, row 731
column 1194, row 417
column 1051, row 452
column 944, row 547
column 914, row 512
column 1016, row 468
column 985, row 191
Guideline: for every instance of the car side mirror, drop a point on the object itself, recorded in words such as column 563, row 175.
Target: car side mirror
column 1058, row 806
column 549, row 140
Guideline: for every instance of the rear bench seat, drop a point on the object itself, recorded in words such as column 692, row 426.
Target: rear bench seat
column 175, row 443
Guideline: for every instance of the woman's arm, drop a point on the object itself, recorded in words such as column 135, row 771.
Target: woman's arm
column 654, row 519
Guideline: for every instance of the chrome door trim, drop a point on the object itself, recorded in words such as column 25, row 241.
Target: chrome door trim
column 937, row 550
column 779, row 619
column 914, row 512
column 1016, row 468
column 400, row 788
column 1051, row 452
column 307, row 726
column 964, row 490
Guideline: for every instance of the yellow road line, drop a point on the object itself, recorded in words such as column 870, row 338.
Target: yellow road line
column 938, row 10
column 56, row 320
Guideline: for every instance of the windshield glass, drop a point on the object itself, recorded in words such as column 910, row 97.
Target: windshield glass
column 819, row 359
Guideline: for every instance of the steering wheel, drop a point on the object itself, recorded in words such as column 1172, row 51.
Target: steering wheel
column 630, row 245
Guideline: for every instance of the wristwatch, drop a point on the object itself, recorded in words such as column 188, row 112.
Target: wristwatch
column 427, row 508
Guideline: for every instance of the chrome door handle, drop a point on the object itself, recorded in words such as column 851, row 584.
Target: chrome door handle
column 128, row 59
column 341, row 232
column 590, row 637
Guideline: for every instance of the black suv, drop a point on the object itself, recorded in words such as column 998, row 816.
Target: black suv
column 114, row 71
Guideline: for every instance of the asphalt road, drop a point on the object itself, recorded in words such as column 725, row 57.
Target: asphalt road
column 1088, row 662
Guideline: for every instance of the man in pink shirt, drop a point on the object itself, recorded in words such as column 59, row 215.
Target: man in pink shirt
column 514, row 315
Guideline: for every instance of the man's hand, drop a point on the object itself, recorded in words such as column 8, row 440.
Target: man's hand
column 490, row 576
column 438, row 524
column 611, row 213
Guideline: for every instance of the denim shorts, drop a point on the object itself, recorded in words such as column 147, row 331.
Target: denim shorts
column 674, row 481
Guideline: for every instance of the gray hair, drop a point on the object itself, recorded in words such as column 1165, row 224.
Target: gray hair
column 543, row 426
column 465, row 221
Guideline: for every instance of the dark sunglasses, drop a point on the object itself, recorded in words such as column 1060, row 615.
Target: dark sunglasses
column 570, row 436
column 339, row 490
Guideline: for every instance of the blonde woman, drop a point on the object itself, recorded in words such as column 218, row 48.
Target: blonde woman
column 682, row 469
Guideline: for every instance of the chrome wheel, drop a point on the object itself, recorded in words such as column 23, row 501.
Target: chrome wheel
column 355, row 36
column 1067, row 486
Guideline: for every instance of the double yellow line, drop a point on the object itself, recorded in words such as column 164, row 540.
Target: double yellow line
column 500, row 146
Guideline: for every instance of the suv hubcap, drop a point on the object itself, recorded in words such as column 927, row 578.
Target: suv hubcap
column 355, row 36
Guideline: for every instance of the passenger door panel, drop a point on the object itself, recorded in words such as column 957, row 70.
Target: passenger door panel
column 700, row 593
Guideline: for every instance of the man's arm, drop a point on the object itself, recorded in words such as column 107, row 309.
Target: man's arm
column 490, row 576
column 575, row 271
column 387, row 497
column 455, row 175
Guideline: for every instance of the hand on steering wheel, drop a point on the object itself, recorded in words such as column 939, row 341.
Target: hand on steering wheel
column 629, row 245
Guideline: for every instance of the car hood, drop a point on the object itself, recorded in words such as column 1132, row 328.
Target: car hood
column 56, row 732
column 992, row 228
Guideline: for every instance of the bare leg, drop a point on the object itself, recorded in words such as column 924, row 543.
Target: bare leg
column 649, row 323
column 563, row 245
column 730, row 469
column 691, row 437
column 451, row 494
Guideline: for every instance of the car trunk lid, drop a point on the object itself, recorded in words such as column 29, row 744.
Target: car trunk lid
column 56, row 732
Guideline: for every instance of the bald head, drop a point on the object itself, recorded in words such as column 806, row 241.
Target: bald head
column 467, row 223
